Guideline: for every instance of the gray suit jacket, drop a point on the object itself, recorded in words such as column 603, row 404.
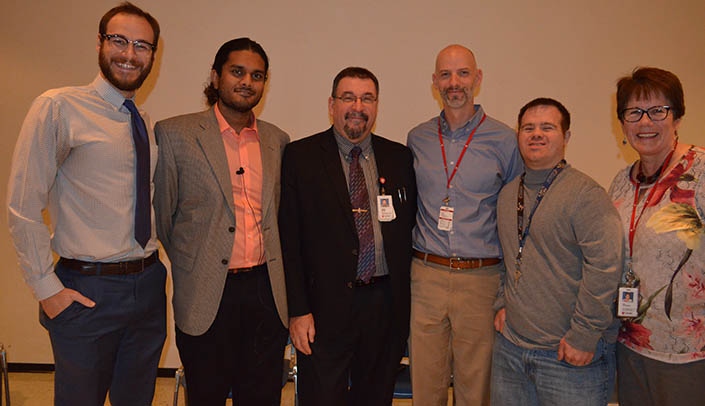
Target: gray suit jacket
column 195, row 217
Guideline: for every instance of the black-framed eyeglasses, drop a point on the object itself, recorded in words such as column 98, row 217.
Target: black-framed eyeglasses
column 655, row 113
column 349, row 98
column 121, row 43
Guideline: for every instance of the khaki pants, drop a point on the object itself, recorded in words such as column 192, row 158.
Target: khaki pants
column 452, row 332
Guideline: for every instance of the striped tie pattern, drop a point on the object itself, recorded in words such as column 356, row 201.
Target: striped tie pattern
column 360, row 200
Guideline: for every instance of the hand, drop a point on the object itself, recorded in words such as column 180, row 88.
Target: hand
column 499, row 319
column 54, row 305
column 573, row 355
column 302, row 332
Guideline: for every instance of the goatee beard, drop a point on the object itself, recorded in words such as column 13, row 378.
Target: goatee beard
column 456, row 100
column 355, row 133
column 239, row 106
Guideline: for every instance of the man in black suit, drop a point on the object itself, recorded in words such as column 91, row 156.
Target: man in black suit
column 346, row 257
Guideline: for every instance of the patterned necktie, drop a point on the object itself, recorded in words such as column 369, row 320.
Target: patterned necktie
column 360, row 200
column 143, row 212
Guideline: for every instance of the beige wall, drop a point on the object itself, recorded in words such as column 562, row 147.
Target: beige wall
column 570, row 50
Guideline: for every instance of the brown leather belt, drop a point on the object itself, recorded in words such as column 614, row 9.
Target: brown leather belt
column 236, row 271
column 373, row 280
column 456, row 262
column 109, row 268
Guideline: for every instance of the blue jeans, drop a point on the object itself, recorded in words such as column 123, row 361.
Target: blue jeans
column 114, row 346
column 524, row 377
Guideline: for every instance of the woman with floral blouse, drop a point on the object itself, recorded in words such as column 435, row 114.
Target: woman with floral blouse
column 661, row 199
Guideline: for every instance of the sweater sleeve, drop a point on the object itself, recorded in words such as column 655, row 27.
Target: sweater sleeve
column 598, row 231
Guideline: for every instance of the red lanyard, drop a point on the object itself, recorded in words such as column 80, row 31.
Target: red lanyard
column 462, row 154
column 634, row 221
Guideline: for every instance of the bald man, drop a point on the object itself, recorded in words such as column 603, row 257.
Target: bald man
column 462, row 158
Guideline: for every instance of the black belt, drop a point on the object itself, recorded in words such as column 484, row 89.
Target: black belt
column 373, row 280
column 109, row 268
column 236, row 271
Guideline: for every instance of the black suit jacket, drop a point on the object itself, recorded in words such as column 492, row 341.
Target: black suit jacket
column 319, row 241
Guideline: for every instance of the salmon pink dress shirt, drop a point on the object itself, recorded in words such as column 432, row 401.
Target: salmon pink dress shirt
column 245, row 165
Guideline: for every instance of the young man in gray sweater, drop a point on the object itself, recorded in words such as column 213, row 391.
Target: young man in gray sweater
column 562, row 243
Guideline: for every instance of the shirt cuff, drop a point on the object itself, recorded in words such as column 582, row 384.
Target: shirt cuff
column 583, row 340
column 47, row 287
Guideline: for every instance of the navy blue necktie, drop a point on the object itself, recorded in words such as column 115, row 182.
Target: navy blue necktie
column 360, row 200
column 143, row 212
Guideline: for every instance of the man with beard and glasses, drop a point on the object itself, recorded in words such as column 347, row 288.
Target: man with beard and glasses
column 346, row 255
column 86, row 155
column 462, row 159
column 216, row 199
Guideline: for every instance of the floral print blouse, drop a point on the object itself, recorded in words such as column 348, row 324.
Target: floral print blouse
column 668, row 259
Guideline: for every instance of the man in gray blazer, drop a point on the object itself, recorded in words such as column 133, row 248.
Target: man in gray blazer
column 216, row 200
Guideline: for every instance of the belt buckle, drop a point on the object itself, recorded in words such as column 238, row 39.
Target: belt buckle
column 455, row 259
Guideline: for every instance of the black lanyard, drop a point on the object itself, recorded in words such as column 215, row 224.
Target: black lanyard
column 523, row 233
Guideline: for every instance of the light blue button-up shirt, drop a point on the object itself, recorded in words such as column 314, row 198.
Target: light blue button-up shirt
column 491, row 161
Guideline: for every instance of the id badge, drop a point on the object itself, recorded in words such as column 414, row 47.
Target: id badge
column 385, row 208
column 445, row 218
column 628, row 302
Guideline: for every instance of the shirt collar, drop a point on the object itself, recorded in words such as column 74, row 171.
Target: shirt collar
column 108, row 92
column 225, row 127
column 345, row 145
column 464, row 130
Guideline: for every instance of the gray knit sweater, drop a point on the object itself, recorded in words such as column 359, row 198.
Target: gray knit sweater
column 571, row 263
